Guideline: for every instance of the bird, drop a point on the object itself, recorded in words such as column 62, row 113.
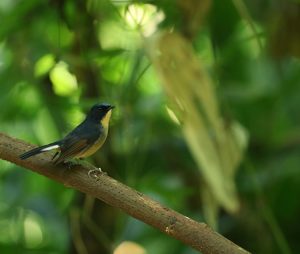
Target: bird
column 82, row 141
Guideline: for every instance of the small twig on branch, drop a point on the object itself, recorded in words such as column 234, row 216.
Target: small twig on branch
column 197, row 235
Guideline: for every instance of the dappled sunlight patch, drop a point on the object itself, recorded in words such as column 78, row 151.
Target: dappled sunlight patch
column 138, row 20
column 44, row 65
column 144, row 17
column 21, row 227
column 112, row 35
column 128, row 247
column 172, row 115
column 64, row 82
column 33, row 233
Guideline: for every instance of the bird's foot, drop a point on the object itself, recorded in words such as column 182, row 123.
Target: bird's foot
column 95, row 173
column 71, row 163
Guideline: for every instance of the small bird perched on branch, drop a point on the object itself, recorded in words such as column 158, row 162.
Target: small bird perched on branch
column 84, row 140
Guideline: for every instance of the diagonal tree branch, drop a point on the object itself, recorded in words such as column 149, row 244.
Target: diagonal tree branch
column 197, row 235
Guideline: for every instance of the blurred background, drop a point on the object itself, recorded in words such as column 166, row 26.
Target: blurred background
column 207, row 98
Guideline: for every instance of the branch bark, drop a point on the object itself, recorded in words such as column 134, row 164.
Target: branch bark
column 197, row 235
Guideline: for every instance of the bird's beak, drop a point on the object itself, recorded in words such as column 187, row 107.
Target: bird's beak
column 111, row 107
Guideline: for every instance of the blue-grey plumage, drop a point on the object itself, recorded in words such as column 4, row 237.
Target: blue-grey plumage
column 84, row 140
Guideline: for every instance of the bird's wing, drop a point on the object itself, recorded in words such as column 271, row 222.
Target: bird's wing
column 71, row 148
column 78, row 140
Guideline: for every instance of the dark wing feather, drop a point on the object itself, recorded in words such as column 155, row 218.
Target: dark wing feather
column 37, row 150
column 80, row 139
column 71, row 150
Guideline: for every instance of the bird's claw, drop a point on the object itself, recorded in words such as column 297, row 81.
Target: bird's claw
column 94, row 173
column 71, row 163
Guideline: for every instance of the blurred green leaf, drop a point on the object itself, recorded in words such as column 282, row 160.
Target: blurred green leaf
column 64, row 83
column 44, row 65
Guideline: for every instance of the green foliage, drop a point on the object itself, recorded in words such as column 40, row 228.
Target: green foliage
column 57, row 58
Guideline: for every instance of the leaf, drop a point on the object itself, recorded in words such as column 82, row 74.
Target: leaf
column 217, row 147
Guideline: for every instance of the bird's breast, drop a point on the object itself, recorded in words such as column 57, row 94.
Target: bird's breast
column 95, row 146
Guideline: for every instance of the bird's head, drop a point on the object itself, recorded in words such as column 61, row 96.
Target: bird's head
column 100, row 113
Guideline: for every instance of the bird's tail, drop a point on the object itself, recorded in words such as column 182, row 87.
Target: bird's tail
column 40, row 149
